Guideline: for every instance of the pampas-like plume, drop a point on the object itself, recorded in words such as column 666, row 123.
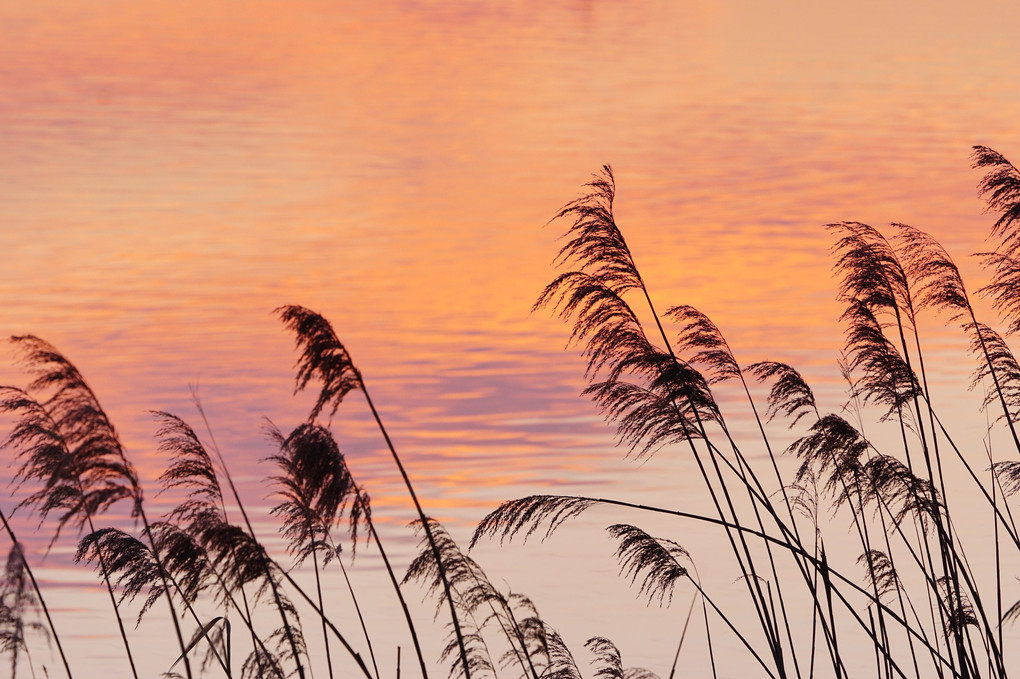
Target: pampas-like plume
column 227, row 549
column 655, row 561
column 65, row 440
column 126, row 557
column 594, row 242
column 477, row 599
column 607, row 658
column 471, row 590
column 261, row 663
column 880, row 571
column 789, row 396
column 835, row 451
column 698, row 334
column 609, row 663
column 528, row 514
column 890, row 483
column 227, row 554
column 1003, row 286
column 960, row 612
column 191, row 467
column 323, row 358
column 1007, row 473
column 869, row 269
column 1001, row 189
column 1000, row 364
column 611, row 336
column 468, row 580
column 884, row 378
column 317, row 490
column 603, row 323
column 937, row 283
column 532, row 632
column 646, row 417
column 138, row 569
column 68, row 443
column 561, row 660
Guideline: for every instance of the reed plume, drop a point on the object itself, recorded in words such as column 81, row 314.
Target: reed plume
column 325, row 359
column 480, row 604
column 789, row 396
column 317, row 489
column 68, row 445
column 609, row 664
column 228, row 557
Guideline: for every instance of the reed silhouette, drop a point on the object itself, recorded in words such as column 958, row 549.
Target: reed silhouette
column 913, row 597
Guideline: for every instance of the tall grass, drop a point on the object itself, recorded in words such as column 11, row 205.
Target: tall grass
column 912, row 598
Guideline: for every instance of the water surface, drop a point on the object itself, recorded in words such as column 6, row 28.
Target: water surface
column 172, row 173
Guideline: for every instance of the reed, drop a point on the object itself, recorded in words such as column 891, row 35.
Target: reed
column 913, row 594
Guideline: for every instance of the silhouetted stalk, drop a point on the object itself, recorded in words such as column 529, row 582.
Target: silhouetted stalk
column 683, row 635
column 77, row 488
column 329, row 624
column 877, row 268
column 264, row 562
column 38, row 596
column 400, row 597
column 1010, row 528
column 863, row 530
column 244, row 613
column 113, row 600
column 789, row 510
column 758, row 496
column 357, row 610
column 325, row 356
column 756, row 594
column 900, row 597
column 318, row 594
column 995, row 537
column 732, row 627
column 816, row 562
column 166, row 587
column 515, row 625
column 878, row 658
column 224, row 663
column 425, row 525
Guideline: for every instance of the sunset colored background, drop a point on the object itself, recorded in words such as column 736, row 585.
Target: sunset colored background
column 172, row 172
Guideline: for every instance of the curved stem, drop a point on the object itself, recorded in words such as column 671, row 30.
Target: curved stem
column 39, row 596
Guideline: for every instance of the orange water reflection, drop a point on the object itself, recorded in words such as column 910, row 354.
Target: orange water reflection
column 174, row 171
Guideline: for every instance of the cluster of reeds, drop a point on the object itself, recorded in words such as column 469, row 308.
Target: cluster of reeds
column 920, row 607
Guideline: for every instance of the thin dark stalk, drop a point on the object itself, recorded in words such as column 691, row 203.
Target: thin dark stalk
column 815, row 562
column 732, row 627
column 265, row 563
column 318, row 593
column 325, row 356
column 39, row 597
column 752, row 582
column 425, row 527
column 357, row 611
column 113, row 600
column 400, row 597
column 166, row 587
column 995, row 537
column 332, row 628
column 683, row 635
